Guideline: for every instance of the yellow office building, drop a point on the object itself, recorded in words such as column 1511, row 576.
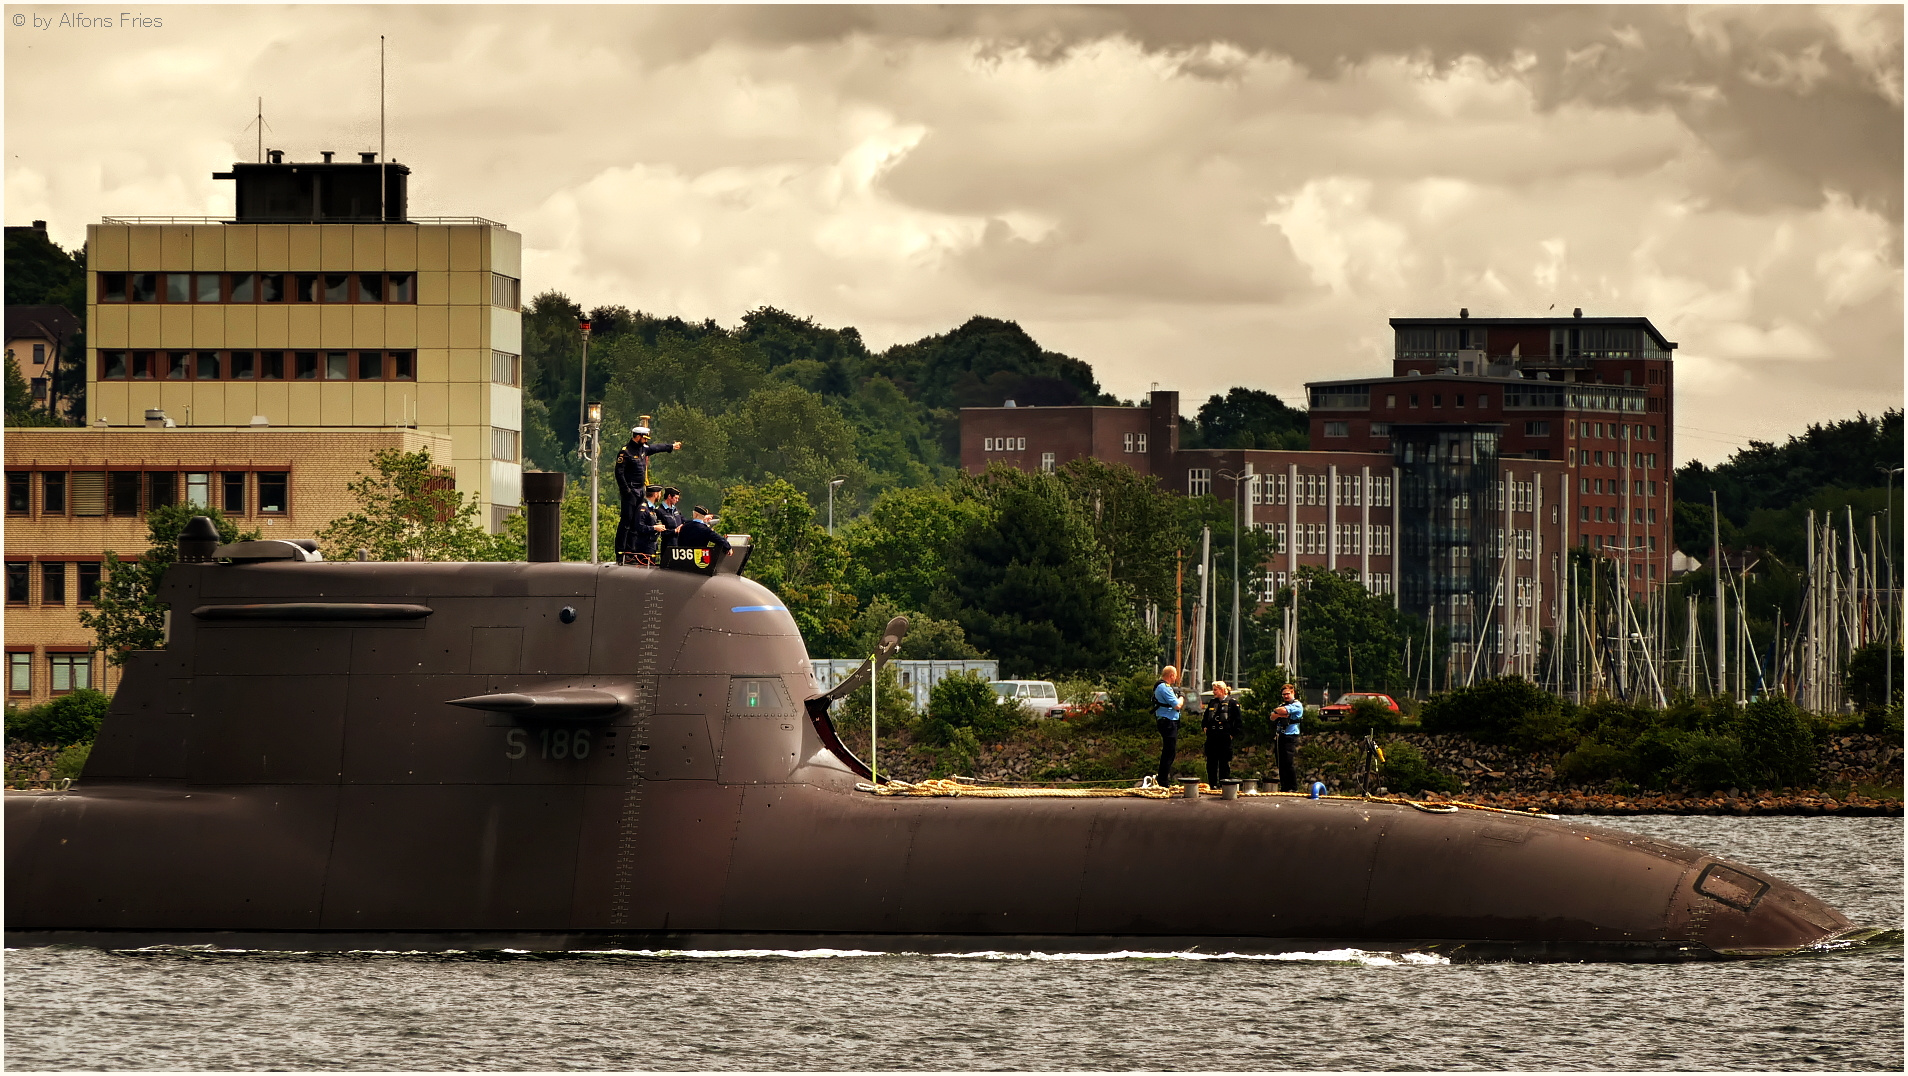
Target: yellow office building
column 319, row 305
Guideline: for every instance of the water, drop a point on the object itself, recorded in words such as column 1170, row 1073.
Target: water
column 87, row 1009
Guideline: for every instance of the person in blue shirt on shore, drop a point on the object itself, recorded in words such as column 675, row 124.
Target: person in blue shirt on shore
column 1166, row 707
column 1285, row 722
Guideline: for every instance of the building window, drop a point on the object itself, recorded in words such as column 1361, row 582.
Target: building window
column 1413, row 400
column 273, row 487
column 162, row 489
column 505, row 291
column 1256, row 485
column 1278, row 537
column 987, row 444
column 1338, row 429
column 232, row 501
column 403, row 366
column 89, row 493
column 1437, row 399
column 505, row 368
column 88, row 572
column 1126, row 442
column 70, row 672
column 1381, row 429
column 1391, row 401
column 19, row 492
column 145, row 287
column 18, row 574
column 125, row 493
column 403, row 288
column 337, row 366
column 1483, row 400
column 503, row 444
column 1142, row 442
column 53, row 493
column 1460, row 399
column 1046, row 461
column 1537, row 429
column 198, row 489
column 1198, row 481
column 305, row 365
column 19, row 672
column 370, row 287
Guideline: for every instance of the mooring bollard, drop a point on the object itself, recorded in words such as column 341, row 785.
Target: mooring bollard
column 1191, row 786
column 1229, row 789
column 1250, row 784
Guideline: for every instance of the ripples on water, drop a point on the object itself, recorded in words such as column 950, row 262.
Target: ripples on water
column 1344, row 1010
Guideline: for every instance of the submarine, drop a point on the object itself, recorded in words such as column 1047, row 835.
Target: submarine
column 560, row 756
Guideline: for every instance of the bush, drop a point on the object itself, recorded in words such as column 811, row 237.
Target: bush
column 1491, row 711
column 1368, row 715
column 966, row 702
column 1707, row 762
column 1776, row 746
column 1591, row 762
column 73, row 718
column 72, row 761
column 1405, row 770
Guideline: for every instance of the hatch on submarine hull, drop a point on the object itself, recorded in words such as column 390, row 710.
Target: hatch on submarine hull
column 572, row 756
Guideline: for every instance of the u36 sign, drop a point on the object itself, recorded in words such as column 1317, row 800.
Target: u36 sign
column 547, row 743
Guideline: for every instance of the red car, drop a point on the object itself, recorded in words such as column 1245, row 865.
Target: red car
column 1343, row 707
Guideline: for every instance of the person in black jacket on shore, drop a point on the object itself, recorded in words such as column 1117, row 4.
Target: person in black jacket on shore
column 1222, row 722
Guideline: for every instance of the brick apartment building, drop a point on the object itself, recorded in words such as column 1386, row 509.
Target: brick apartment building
column 1491, row 562
column 73, row 493
column 1455, row 484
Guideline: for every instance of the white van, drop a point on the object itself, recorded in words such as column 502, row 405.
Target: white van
column 1038, row 697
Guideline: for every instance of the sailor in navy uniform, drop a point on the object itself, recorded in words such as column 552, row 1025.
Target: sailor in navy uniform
column 670, row 516
column 646, row 525
column 700, row 533
column 632, row 475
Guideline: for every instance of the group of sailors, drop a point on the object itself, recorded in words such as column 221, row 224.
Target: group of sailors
column 652, row 522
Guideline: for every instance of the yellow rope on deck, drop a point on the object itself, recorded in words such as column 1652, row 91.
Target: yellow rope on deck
column 955, row 788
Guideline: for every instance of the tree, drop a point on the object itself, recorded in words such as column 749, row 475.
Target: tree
column 1867, row 676
column 1030, row 585
column 408, row 509
column 899, row 549
column 1138, row 524
column 797, row 559
column 1250, row 418
column 127, row 614
column 1347, row 634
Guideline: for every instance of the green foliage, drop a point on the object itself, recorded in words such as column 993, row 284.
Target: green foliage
column 1346, row 633
column 127, row 615
column 1852, row 454
column 927, row 637
column 1368, row 715
column 1490, row 711
column 1249, row 418
column 72, row 762
column 984, row 363
column 73, row 718
column 795, row 557
column 40, row 273
column 963, row 700
column 899, row 547
column 1138, row 524
column 1873, row 675
column 1777, row 748
column 1406, row 770
column 1030, row 585
column 408, row 509
column 573, row 528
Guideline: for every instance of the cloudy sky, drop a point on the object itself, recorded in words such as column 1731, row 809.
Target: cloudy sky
column 1198, row 197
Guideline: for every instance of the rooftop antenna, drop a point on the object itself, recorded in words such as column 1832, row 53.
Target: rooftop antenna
column 383, row 212
column 260, row 121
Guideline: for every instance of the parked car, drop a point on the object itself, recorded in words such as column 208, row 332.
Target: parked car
column 1343, row 707
column 1037, row 697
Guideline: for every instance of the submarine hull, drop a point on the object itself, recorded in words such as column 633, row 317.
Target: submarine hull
column 563, row 756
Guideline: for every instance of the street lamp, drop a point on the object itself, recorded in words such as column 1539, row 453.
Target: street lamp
column 591, row 447
column 832, row 484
